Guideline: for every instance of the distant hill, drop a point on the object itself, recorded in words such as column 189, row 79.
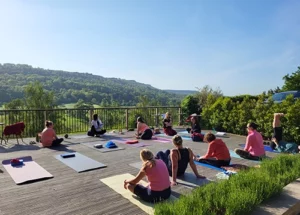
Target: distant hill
column 182, row 92
column 69, row 87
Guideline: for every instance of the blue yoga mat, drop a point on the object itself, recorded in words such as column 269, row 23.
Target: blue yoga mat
column 267, row 148
column 235, row 155
column 209, row 166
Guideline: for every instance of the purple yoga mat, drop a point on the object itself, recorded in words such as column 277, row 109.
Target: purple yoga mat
column 161, row 139
column 123, row 141
column 29, row 171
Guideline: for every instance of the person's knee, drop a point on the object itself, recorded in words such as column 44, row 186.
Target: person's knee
column 236, row 150
column 130, row 187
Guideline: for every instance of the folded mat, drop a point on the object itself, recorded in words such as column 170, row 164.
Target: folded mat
column 117, row 184
column 80, row 163
column 188, row 179
column 28, row 172
column 104, row 149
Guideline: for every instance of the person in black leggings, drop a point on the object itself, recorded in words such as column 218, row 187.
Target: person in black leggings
column 177, row 159
column 217, row 154
column 143, row 130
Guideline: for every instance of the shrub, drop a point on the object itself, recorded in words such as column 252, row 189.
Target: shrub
column 241, row 193
column 231, row 116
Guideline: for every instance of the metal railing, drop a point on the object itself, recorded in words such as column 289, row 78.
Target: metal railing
column 78, row 120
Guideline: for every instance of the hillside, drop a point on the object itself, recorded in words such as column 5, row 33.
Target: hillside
column 182, row 92
column 69, row 87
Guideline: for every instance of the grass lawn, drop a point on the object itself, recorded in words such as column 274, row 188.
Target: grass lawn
column 71, row 105
column 241, row 193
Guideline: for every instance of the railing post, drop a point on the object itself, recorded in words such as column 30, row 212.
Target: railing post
column 45, row 115
column 180, row 116
column 126, row 115
column 156, row 117
column 91, row 114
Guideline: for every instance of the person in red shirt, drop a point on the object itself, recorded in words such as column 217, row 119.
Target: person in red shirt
column 48, row 136
column 217, row 154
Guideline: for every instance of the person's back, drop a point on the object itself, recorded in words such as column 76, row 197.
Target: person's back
column 183, row 160
column 219, row 150
column 47, row 137
column 97, row 124
column 143, row 127
column 158, row 176
column 255, row 144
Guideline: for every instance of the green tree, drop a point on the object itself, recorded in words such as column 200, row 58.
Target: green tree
column 204, row 92
column 292, row 82
column 38, row 98
column 189, row 106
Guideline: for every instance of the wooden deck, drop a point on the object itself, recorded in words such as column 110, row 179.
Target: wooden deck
column 75, row 193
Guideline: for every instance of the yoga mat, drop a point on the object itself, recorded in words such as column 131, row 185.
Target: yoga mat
column 187, row 138
column 161, row 135
column 80, row 163
column 123, row 141
column 188, row 179
column 209, row 166
column 29, row 171
column 161, row 139
column 235, row 155
column 267, row 148
column 104, row 149
column 117, row 184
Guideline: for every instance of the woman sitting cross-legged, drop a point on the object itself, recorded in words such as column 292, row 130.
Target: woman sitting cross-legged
column 97, row 126
column 217, row 154
column 167, row 124
column 156, row 172
column 143, row 130
column 48, row 136
column 195, row 131
column 177, row 159
column 254, row 148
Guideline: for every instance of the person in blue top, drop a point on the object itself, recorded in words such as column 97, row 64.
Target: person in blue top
column 278, row 144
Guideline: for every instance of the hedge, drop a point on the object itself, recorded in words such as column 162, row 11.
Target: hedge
column 240, row 194
column 226, row 114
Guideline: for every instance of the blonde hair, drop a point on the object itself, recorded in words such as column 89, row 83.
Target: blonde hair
column 177, row 140
column 148, row 158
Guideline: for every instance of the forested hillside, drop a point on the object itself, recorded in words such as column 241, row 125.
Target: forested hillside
column 69, row 87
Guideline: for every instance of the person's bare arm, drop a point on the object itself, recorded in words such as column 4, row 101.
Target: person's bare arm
column 276, row 120
column 174, row 160
column 193, row 165
column 138, row 177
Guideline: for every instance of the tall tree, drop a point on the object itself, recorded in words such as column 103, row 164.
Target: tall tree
column 204, row 92
column 292, row 82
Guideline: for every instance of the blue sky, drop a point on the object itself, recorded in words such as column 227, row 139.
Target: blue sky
column 240, row 46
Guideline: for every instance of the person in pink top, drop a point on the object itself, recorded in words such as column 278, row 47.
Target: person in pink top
column 143, row 130
column 254, row 148
column 157, row 174
column 48, row 136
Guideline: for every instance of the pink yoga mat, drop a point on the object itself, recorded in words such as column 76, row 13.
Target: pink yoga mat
column 29, row 171
column 161, row 139
column 123, row 141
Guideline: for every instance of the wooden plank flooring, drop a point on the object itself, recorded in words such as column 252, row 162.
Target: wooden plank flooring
column 75, row 193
